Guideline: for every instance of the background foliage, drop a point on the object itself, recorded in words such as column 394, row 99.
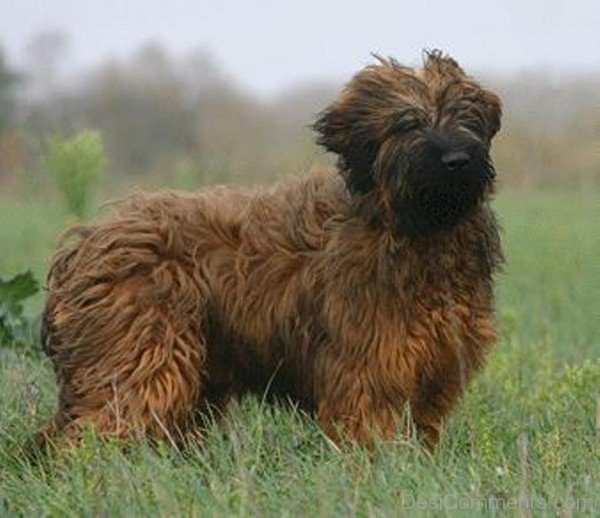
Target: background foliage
column 76, row 164
column 14, row 327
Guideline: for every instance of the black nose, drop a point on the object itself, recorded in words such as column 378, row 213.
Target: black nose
column 455, row 160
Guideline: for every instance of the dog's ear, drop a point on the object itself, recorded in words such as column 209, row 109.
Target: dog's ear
column 356, row 124
column 439, row 64
column 492, row 109
column 342, row 130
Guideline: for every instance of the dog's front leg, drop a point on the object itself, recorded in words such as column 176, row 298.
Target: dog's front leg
column 350, row 406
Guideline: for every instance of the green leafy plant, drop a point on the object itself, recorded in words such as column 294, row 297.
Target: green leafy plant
column 13, row 324
column 76, row 165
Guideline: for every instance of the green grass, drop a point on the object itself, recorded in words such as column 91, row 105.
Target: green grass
column 524, row 430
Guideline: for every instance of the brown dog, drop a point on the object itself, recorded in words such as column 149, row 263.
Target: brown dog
column 356, row 294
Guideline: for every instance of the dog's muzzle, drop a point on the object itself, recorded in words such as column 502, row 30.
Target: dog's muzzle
column 446, row 179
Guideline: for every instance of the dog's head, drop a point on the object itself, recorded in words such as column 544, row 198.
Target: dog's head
column 416, row 141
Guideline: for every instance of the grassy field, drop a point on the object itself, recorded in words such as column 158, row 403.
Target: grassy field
column 523, row 436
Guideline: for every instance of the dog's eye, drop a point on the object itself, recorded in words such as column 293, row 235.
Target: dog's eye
column 406, row 119
column 473, row 124
column 404, row 125
column 411, row 125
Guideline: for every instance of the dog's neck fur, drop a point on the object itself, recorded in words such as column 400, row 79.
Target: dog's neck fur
column 473, row 244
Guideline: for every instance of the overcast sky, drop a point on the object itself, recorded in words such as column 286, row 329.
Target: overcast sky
column 271, row 44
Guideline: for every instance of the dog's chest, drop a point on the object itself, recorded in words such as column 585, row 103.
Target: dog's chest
column 448, row 328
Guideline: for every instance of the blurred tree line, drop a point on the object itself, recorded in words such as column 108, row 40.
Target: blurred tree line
column 180, row 121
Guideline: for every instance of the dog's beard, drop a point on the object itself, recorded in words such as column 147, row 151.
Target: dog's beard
column 432, row 200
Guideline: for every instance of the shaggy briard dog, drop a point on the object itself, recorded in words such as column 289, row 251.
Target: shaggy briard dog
column 357, row 294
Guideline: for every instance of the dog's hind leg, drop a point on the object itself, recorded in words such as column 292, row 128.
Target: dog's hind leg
column 128, row 354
